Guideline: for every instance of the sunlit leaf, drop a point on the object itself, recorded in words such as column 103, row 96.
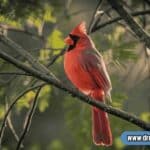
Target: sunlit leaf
column 25, row 101
column 44, row 54
column 5, row 148
column 55, row 40
column 45, row 16
column 145, row 116
column 117, row 104
column 8, row 21
column 35, row 147
column 48, row 14
column 118, row 96
column 118, row 143
column 43, row 105
column 118, row 32
column 116, row 35
column 56, row 145
column 2, row 111
column 44, row 98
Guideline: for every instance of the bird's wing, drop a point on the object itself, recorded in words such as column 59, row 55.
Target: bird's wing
column 92, row 62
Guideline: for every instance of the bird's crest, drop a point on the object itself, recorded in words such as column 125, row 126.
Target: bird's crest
column 80, row 29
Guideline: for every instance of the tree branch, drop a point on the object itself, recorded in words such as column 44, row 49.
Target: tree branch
column 10, row 28
column 148, row 2
column 28, row 119
column 55, row 57
column 48, row 79
column 121, row 24
column 11, row 127
column 135, row 27
column 34, row 62
column 11, row 106
column 118, row 19
column 93, row 17
column 15, row 73
column 22, row 52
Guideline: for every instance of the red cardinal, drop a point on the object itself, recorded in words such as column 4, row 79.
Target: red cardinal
column 85, row 68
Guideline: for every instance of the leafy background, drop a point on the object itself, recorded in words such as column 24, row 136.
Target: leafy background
column 61, row 122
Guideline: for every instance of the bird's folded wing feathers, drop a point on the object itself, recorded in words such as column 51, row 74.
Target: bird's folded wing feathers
column 92, row 62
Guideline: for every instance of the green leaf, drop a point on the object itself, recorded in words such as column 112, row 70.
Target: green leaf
column 44, row 55
column 2, row 111
column 56, row 145
column 25, row 101
column 118, row 143
column 44, row 98
column 145, row 116
column 118, row 98
column 55, row 40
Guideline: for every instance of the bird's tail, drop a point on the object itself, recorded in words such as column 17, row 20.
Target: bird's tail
column 100, row 122
column 101, row 128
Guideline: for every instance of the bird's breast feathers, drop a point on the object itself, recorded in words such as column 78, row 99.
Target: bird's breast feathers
column 87, row 70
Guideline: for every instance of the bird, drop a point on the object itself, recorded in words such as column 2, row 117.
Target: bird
column 86, row 69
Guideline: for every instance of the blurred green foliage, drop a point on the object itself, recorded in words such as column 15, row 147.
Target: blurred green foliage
column 122, row 51
column 145, row 116
column 14, row 9
column 44, row 98
column 76, row 115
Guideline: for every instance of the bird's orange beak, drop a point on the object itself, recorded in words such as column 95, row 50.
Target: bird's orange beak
column 68, row 41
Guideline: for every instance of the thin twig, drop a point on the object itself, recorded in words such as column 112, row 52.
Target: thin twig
column 100, row 17
column 93, row 17
column 135, row 27
column 47, row 48
column 15, row 73
column 121, row 24
column 148, row 2
column 11, row 106
column 10, row 125
column 34, row 62
column 118, row 19
column 39, row 75
column 147, row 57
column 55, row 57
column 28, row 119
column 10, row 28
column 125, row 3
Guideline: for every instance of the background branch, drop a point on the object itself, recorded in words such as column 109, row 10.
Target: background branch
column 11, row 106
column 22, row 52
column 135, row 27
column 10, row 125
column 28, row 119
column 102, row 25
column 10, row 28
column 15, row 73
column 148, row 2
column 55, row 57
column 93, row 17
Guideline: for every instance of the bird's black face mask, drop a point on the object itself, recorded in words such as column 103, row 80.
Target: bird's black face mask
column 75, row 39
